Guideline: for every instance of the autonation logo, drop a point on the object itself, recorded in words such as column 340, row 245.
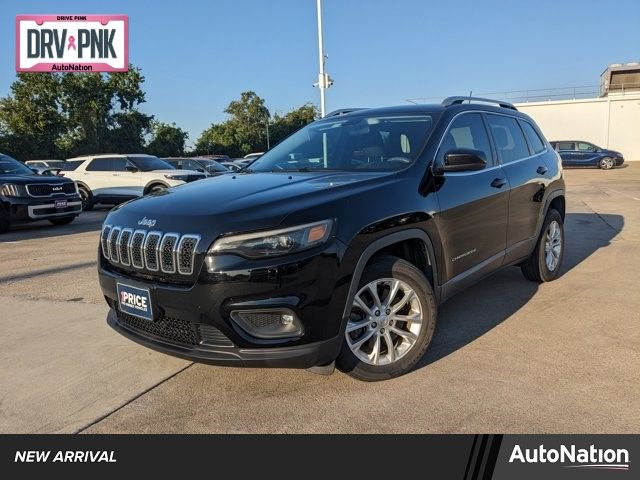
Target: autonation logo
column 573, row 457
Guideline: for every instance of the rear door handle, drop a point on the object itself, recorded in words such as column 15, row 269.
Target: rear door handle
column 498, row 182
column 542, row 170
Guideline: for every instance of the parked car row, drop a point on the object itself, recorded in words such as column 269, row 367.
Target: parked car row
column 59, row 190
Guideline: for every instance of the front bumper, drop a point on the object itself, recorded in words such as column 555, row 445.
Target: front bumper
column 301, row 356
column 195, row 321
column 31, row 209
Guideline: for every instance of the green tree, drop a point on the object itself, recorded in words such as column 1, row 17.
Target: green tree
column 283, row 126
column 31, row 116
column 167, row 140
column 244, row 132
column 101, row 112
column 48, row 115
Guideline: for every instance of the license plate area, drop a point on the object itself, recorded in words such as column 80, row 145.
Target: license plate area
column 60, row 204
column 135, row 301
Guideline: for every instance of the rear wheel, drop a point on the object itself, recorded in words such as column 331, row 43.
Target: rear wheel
column 391, row 323
column 544, row 263
column 62, row 221
column 87, row 198
column 607, row 163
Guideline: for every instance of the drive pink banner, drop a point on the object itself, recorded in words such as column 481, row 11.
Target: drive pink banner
column 72, row 43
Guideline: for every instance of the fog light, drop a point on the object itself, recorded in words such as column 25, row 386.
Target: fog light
column 268, row 323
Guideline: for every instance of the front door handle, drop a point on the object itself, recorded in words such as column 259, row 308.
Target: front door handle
column 542, row 170
column 498, row 182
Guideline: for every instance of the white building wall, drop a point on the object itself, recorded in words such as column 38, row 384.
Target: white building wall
column 610, row 122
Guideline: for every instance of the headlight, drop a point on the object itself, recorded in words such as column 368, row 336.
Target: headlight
column 12, row 190
column 176, row 177
column 274, row 242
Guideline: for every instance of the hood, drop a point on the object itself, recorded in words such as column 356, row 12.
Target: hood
column 611, row 152
column 26, row 179
column 243, row 202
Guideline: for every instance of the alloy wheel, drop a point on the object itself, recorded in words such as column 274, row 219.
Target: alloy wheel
column 385, row 321
column 552, row 245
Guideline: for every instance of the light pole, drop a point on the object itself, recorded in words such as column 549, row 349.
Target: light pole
column 324, row 81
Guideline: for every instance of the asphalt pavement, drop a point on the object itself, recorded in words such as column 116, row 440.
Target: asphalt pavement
column 508, row 355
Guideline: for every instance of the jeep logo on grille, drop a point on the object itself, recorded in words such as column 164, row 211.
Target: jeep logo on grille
column 147, row 222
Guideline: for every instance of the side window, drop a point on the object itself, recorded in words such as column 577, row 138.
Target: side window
column 565, row 146
column 586, row 147
column 99, row 165
column 508, row 138
column 534, row 139
column 467, row 131
column 119, row 164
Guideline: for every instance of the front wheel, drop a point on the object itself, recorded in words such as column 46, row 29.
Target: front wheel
column 391, row 323
column 87, row 198
column 607, row 163
column 544, row 263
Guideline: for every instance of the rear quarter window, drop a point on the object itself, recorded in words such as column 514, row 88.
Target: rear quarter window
column 532, row 135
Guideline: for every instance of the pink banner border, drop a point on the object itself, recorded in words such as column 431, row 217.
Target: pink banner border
column 96, row 67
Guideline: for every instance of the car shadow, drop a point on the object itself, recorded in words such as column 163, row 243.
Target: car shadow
column 85, row 222
column 475, row 311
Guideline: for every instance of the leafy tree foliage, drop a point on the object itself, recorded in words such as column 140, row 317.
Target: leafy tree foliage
column 62, row 115
column 246, row 129
column 168, row 140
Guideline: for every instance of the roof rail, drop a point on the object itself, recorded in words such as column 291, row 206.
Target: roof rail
column 342, row 111
column 459, row 100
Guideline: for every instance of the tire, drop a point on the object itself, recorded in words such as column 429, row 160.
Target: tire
column 537, row 268
column 607, row 163
column 62, row 221
column 87, row 198
column 5, row 224
column 366, row 334
column 156, row 188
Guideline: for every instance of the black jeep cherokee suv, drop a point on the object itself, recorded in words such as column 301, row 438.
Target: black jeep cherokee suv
column 27, row 197
column 340, row 242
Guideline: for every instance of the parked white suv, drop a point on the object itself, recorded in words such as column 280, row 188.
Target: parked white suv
column 112, row 179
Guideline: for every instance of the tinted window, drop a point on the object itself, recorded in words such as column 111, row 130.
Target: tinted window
column 72, row 165
column 358, row 143
column 566, row 146
column 534, row 139
column 9, row 165
column 467, row 131
column 508, row 138
column 586, row 147
column 150, row 163
column 99, row 165
column 214, row 166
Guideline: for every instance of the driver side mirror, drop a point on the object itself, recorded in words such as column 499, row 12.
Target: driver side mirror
column 131, row 168
column 462, row 160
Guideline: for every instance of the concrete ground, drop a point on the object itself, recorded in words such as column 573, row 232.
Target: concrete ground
column 508, row 355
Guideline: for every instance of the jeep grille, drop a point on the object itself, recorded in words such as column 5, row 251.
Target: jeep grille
column 152, row 251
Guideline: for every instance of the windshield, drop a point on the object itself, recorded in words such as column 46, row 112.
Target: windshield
column 213, row 166
column 376, row 143
column 10, row 165
column 147, row 164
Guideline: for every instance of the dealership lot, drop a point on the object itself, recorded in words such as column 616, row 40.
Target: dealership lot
column 508, row 355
